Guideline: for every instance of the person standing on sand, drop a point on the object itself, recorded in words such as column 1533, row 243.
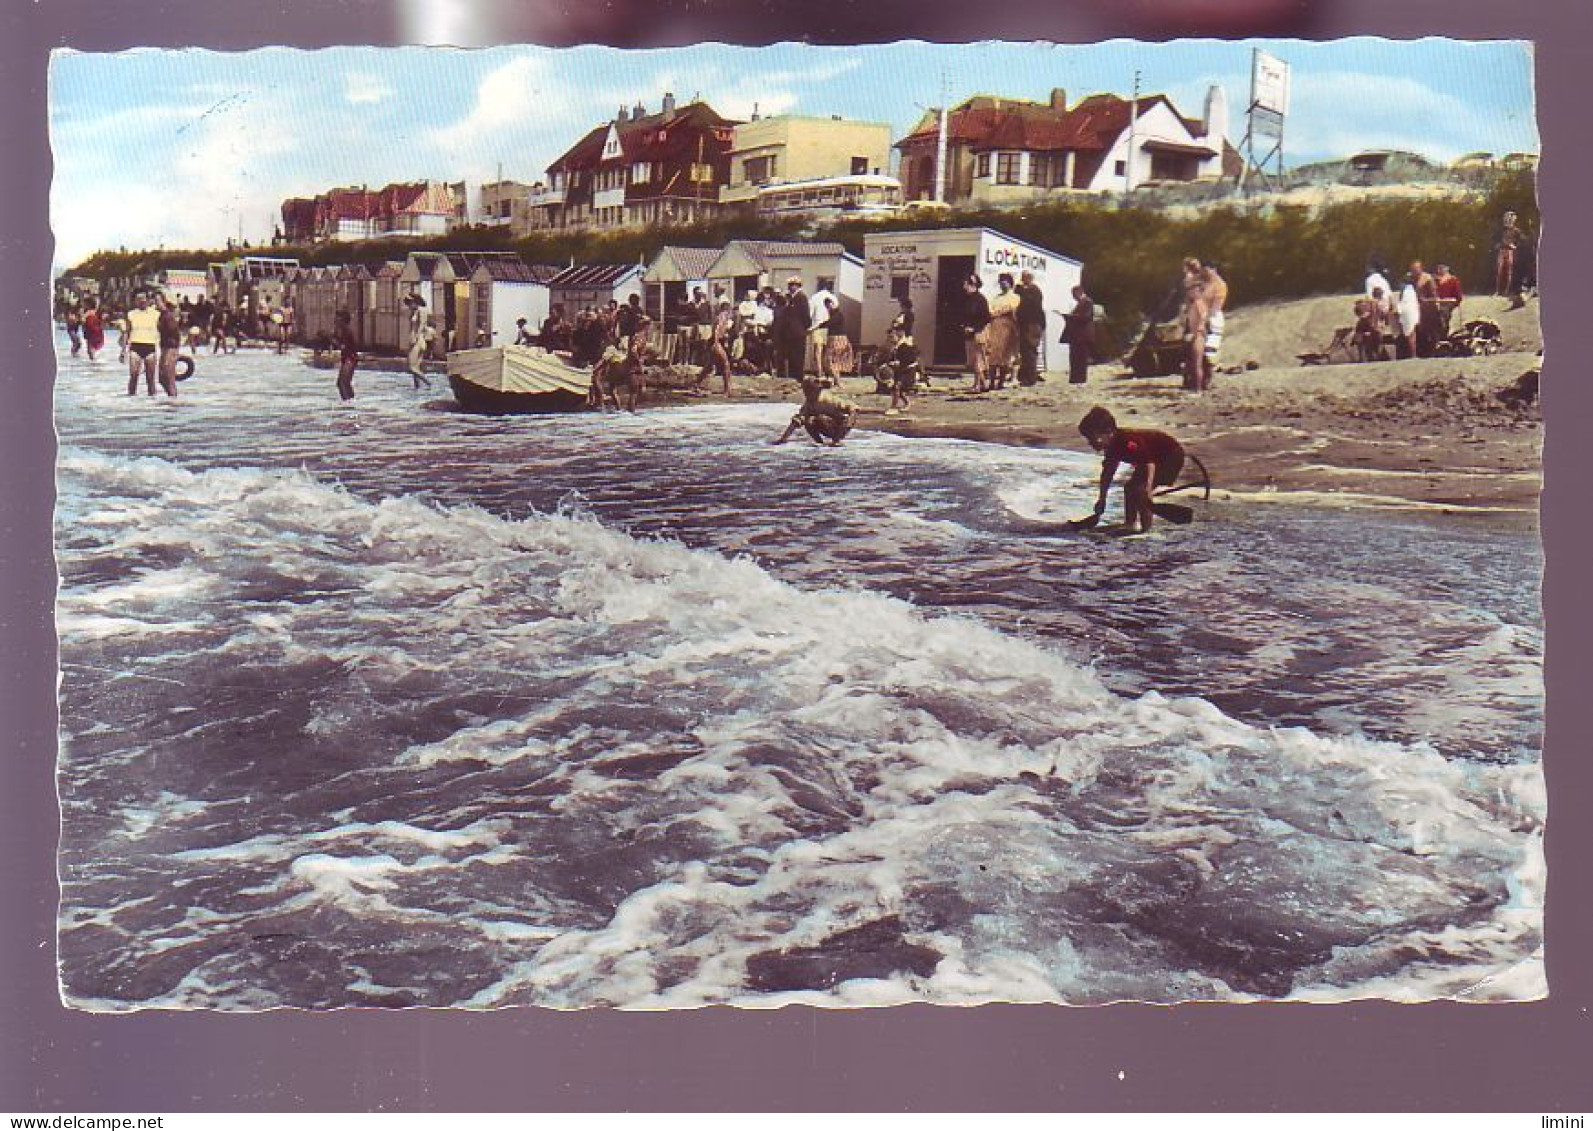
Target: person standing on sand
column 1031, row 328
column 1427, row 324
column 1192, row 322
column 348, row 354
column 1450, row 295
column 1216, row 321
column 976, row 331
column 1410, row 315
column 1078, row 334
column 1156, row 458
column 1505, row 243
column 837, row 347
column 719, row 344
column 819, row 329
column 1002, row 345
column 791, row 330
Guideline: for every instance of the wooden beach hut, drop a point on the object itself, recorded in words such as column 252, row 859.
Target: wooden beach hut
column 389, row 318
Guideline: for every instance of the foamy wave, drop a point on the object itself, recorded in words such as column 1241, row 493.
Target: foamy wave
column 702, row 784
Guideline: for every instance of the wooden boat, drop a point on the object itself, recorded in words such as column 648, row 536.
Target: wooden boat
column 516, row 379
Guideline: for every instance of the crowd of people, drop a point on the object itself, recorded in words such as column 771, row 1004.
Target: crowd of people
column 1417, row 315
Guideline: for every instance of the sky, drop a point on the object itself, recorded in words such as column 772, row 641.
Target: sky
column 186, row 148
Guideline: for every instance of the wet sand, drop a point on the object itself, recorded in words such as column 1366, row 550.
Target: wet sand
column 1428, row 434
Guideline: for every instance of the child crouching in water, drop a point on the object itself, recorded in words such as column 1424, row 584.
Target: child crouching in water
column 826, row 416
column 1156, row 458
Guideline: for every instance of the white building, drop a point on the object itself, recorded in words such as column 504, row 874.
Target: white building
column 928, row 267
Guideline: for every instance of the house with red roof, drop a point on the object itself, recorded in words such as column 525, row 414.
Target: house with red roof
column 1005, row 151
column 638, row 169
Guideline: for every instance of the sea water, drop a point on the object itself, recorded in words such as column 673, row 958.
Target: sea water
column 392, row 705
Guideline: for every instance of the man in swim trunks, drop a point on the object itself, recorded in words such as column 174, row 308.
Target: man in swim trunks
column 143, row 342
column 1156, row 458
column 826, row 416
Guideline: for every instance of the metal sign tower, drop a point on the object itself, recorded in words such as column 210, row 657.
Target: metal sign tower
column 1269, row 107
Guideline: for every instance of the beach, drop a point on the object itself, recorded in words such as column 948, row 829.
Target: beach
column 1437, row 434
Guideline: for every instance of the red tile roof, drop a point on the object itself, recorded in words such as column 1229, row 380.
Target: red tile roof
column 663, row 137
column 985, row 123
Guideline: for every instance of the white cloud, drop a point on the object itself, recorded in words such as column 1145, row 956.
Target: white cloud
column 361, row 88
column 523, row 114
column 189, row 187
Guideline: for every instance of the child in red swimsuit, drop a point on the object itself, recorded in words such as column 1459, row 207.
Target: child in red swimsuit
column 1156, row 458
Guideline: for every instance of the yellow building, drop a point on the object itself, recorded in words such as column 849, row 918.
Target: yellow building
column 767, row 152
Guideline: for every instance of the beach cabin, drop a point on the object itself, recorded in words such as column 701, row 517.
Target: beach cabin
column 669, row 279
column 503, row 289
column 429, row 275
column 322, row 296
column 355, row 294
column 389, row 319
column 179, row 284
column 594, row 284
column 749, row 265
column 929, row 268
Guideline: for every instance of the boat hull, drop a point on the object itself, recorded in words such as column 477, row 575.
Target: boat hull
column 496, row 402
column 514, row 379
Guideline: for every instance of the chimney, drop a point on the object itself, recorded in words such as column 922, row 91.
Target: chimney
column 623, row 115
column 1216, row 116
column 754, row 111
column 1059, row 99
column 639, row 111
column 669, row 102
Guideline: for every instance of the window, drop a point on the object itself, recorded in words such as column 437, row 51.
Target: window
column 641, row 172
column 760, row 170
column 1120, row 168
column 982, row 168
column 1007, row 165
column 859, row 166
column 702, row 174
column 1042, row 169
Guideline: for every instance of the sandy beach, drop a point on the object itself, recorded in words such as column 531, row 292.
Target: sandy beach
column 1440, row 434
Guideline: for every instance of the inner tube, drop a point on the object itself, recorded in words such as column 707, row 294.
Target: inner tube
column 185, row 368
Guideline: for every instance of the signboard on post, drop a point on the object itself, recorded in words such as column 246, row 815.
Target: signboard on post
column 1269, row 106
column 1269, row 83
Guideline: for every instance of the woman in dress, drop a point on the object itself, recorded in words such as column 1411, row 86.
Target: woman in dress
column 838, row 347
column 1002, row 349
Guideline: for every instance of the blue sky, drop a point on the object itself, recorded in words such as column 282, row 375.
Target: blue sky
column 178, row 148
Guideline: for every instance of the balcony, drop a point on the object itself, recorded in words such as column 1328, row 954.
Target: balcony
column 609, row 198
column 544, row 196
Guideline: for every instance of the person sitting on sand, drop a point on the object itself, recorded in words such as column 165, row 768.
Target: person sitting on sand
column 826, row 416
column 1369, row 325
column 1156, row 458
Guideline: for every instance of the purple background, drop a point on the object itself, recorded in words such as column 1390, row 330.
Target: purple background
column 1256, row 1057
